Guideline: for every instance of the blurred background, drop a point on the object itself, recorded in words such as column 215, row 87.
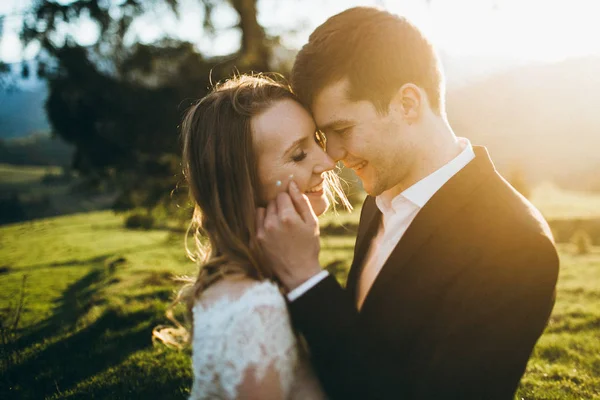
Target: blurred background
column 93, row 209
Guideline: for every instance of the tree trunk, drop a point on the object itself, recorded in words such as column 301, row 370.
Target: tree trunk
column 255, row 53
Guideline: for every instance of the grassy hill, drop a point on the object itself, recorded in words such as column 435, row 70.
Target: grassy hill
column 36, row 149
column 31, row 192
column 93, row 291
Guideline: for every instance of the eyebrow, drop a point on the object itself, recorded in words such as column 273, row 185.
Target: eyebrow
column 335, row 124
column 296, row 143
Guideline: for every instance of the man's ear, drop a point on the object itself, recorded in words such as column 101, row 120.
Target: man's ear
column 409, row 101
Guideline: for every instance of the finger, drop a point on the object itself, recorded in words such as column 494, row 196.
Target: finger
column 285, row 209
column 271, row 209
column 260, row 221
column 302, row 204
column 271, row 218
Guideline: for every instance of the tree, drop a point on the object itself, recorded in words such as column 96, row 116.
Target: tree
column 120, row 103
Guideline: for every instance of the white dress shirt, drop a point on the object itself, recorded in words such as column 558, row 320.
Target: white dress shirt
column 397, row 215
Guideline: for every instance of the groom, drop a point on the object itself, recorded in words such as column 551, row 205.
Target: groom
column 454, row 272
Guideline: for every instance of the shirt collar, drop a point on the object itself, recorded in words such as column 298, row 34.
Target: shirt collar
column 420, row 193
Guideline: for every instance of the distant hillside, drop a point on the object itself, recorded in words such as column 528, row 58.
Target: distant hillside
column 22, row 113
column 37, row 149
column 22, row 110
column 542, row 118
column 463, row 70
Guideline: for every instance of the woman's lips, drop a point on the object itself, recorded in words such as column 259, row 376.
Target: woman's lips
column 318, row 189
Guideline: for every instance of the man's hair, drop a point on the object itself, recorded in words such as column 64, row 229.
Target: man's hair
column 376, row 50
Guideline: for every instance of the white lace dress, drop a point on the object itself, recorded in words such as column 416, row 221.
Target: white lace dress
column 244, row 346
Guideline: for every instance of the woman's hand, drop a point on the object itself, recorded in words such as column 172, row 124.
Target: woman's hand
column 288, row 233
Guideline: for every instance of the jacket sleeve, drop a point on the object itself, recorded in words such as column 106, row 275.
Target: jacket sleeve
column 328, row 319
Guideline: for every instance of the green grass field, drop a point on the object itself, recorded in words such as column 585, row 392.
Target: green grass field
column 16, row 174
column 46, row 192
column 94, row 291
column 557, row 203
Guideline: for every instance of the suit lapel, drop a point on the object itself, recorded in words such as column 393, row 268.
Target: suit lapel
column 448, row 200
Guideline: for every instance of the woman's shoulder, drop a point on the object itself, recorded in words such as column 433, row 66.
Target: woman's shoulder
column 253, row 310
column 235, row 295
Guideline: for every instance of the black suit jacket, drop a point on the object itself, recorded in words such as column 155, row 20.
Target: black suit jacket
column 454, row 312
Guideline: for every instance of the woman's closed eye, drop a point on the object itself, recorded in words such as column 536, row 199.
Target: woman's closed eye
column 299, row 156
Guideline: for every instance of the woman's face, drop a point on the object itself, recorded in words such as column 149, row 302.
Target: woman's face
column 284, row 138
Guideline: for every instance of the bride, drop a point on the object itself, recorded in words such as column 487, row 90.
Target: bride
column 243, row 144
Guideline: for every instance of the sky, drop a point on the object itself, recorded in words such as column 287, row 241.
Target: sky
column 519, row 31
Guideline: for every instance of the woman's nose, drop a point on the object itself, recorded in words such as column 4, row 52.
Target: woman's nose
column 325, row 164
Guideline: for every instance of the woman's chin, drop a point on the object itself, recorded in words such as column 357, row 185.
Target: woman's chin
column 319, row 205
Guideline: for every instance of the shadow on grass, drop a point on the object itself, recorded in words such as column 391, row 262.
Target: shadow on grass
column 63, row 364
column 162, row 294
column 67, row 263
column 62, row 351
column 92, row 260
column 155, row 373
column 75, row 302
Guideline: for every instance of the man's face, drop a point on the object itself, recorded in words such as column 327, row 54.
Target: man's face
column 376, row 146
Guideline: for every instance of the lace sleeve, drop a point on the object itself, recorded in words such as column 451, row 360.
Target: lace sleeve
column 244, row 348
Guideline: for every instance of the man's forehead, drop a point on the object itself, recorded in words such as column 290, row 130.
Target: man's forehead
column 338, row 91
column 330, row 102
